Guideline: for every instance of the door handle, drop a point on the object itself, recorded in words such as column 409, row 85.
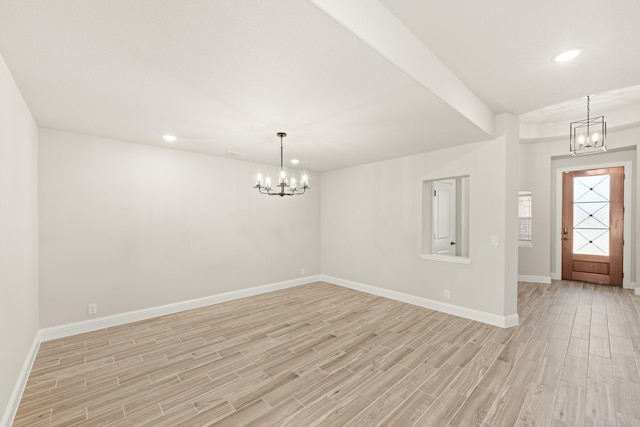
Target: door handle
column 565, row 231
column 453, row 243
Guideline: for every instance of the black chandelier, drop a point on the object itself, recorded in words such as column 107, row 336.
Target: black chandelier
column 588, row 135
column 285, row 186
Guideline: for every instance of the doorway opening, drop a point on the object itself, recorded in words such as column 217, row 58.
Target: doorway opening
column 445, row 220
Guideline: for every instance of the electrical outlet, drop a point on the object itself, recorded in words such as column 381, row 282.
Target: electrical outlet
column 92, row 309
column 302, row 271
column 447, row 294
column 494, row 240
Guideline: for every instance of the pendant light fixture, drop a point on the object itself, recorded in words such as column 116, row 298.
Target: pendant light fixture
column 589, row 135
column 286, row 186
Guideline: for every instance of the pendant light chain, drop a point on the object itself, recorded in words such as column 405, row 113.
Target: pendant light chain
column 282, row 151
column 588, row 111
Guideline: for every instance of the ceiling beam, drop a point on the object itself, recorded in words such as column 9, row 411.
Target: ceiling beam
column 374, row 24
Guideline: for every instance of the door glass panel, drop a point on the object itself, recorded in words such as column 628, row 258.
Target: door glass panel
column 591, row 215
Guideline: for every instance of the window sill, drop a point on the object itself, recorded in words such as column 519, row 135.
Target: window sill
column 446, row 258
column 525, row 244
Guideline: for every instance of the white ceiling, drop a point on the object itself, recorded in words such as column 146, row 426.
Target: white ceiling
column 351, row 82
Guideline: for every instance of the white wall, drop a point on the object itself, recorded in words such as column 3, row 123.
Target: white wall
column 371, row 224
column 538, row 168
column 131, row 226
column 18, row 234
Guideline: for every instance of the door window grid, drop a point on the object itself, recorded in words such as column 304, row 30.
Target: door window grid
column 591, row 215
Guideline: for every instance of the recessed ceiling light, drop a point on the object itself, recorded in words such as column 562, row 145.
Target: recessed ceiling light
column 169, row 138
column 295, row 161
column 568, row 55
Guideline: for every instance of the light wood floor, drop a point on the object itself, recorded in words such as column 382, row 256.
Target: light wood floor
column 324, row 355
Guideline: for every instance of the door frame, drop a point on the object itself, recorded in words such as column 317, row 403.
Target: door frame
column 628, row 202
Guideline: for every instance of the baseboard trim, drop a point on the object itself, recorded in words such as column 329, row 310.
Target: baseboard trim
column 556, row 276
column 637, row 291
column 21, row 382
column 456, row 310
column 75, row 328
column 534, row 279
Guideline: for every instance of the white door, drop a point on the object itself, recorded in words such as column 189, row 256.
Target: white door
column 444, row 217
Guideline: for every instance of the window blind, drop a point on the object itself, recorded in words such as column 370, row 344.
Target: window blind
column 524, row 216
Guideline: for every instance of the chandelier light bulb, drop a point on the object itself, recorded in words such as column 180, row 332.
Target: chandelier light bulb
column 268, row 182
column 293, row 183
column 259, row 179
column 305, row 179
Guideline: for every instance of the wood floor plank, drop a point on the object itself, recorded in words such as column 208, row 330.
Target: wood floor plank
column 438, row 382
column 442, row 410
column 600, row 401
column 570, row 404
column 136, row 418
column 489, row 353
column 351, row 386
column 408, row 412
column 413, row 381
column 537, row 409
column 470, row 376
column 169, row 403
column 574, row 371
column 310, row 415
column 506, row 407
column 624, row 367
column 345, row 412
column 496, row 376
column 320, row 388
column 280, row 394
column 182, row 414
column 627, row 398
column 276, row 414
column 375, row 412
column 578, row 348
column 385, row 381
column 243, row 397
column 243, row 415
column 474, row 410
column 600, row 368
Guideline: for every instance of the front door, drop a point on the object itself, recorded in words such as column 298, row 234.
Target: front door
column 592, row 225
